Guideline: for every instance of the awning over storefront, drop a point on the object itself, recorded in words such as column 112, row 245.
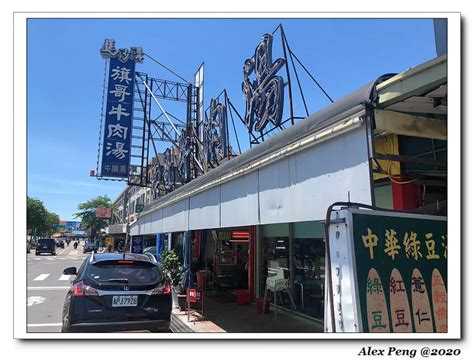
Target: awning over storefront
column 291, row 177
column 414, row 103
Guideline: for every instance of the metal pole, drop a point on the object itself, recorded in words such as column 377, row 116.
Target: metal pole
column 309, row 74
column 145, row 121
column 127, row 227
column 297, row 78
column 288, row 75
column 226, row 126
column 148, row 124
column 162, row 109
column 291, row 263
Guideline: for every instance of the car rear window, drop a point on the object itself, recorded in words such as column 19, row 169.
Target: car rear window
column 137, row 273
column 46, row 242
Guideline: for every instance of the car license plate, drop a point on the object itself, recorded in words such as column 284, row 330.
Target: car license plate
column 120, row 301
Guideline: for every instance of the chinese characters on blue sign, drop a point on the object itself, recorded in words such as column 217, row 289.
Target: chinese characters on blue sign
column 119, row 109
column 118, row 119
column 137, row 244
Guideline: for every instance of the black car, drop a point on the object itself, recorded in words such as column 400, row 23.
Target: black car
column 46, row 245
column 116, row 293
column 60, row 243
column 89, row 247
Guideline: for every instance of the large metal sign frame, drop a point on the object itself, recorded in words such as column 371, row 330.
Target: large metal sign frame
column 265, row 95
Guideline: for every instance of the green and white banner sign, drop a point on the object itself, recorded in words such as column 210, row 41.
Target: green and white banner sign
column 401, row 269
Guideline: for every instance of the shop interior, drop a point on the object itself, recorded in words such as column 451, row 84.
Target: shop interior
column 220, row 259
column 297, row 249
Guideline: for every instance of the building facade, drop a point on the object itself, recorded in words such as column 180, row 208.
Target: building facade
column 385, row 145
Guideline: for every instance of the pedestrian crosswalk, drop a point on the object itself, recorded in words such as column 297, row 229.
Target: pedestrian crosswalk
column 55, row 258
column 48, row 277
column 41, row 277
column 64, row 255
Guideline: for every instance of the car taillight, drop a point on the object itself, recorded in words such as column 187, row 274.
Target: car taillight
column 126, row 262
column 80, row 289
column 162, row 290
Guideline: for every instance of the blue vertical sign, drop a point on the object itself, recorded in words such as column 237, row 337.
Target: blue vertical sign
column 116, row 149
column 137, row 244
column 159, row 246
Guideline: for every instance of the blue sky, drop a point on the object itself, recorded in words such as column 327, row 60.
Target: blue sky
column 65, row 78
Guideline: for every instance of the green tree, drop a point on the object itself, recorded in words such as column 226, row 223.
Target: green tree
column 50, row 220
column 39, row 219
column 87, row 214
column 35, row 215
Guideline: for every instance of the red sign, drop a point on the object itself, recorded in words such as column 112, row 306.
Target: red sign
column 103, row 212
column 240, row 237
column 240, row 234
column 194, row 295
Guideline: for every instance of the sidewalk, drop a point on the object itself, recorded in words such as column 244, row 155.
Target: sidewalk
column 225, row 315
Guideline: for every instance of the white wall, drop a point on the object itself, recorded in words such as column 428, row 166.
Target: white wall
column 176, row 217
column 239, row 201
column 297, row 188
column 204, row 209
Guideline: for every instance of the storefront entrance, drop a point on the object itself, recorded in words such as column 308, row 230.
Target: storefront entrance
column 225, row 258
column 298, row 250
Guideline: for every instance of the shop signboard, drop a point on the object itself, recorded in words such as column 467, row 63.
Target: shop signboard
column 215, row 133
column 389, row 272
column 116, row 148
column 137, row 244
column 240, row 236
column 73, row 225
column 70, row 226
column 116, row 229
column 194, row 295
column 401, row 273
column 103, row 212
column 264, row 96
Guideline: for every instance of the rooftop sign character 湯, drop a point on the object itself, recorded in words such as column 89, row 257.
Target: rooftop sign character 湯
column 264, row 95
